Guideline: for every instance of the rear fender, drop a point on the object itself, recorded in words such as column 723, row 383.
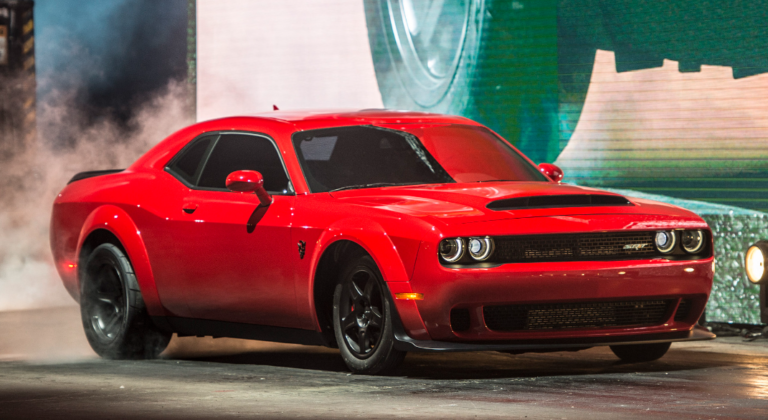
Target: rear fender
column 116, row 220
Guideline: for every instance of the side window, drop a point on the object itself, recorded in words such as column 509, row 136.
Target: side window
column 235, row 152
column 190, row 161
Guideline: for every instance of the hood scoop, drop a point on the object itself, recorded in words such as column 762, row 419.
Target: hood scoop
column 558, row 201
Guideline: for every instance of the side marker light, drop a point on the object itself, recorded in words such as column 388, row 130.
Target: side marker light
column 409, row 296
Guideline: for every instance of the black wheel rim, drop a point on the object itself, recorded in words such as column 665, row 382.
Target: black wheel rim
column 105, row 302
column 361, row 313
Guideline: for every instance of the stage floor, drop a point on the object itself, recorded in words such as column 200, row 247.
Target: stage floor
column 47, row 370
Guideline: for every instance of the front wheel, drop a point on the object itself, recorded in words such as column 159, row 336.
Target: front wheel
column 115, row 320
column 362, row 319
column 634, row 353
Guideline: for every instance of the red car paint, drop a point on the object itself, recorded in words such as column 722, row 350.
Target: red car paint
column 194, row 258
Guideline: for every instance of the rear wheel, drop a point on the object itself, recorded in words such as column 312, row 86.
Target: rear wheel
column 634, row 353
column 362, row 319
column 114, row 317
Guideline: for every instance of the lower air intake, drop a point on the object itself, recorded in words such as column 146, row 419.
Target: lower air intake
column 460, row 319
column 575, row 315
column 683, row 310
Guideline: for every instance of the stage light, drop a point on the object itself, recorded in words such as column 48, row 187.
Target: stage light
column 754, row 262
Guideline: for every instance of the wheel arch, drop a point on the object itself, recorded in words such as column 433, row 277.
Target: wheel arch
column 341, row 241
column 111, row 224
column 326, row 275
column 95, row 238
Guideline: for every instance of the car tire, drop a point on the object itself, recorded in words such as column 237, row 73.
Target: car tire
column 114, row 316
column 635, row 353
column 362, row 319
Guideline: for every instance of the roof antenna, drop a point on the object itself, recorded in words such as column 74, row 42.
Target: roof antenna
column 275, row 108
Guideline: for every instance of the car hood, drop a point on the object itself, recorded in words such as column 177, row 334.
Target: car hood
column 470, row 202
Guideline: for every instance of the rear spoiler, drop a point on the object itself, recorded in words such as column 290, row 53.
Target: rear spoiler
column 91, row 174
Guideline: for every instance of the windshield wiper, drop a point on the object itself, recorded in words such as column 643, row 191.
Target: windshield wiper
column 497, row 180
column 375, row 184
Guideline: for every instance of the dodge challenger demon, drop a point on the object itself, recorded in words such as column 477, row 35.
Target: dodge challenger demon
column 376, row 232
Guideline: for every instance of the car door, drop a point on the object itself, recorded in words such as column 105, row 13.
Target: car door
column 234, row 259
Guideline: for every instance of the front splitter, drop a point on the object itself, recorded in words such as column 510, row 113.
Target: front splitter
column 405, row 343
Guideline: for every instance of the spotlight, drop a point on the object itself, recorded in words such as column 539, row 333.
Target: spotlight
column 754, row 263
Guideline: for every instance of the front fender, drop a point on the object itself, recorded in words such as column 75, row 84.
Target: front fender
column 119, row 223
column 372, row 237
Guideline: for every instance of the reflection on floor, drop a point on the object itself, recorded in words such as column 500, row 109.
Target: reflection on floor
column 48, row 370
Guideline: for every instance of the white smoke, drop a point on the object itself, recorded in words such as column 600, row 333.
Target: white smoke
column 30, row 181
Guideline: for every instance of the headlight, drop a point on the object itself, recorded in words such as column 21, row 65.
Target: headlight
column 693, row 241
column 452, row 249
column 480, row 249
column 665, row 241
column 755, row 262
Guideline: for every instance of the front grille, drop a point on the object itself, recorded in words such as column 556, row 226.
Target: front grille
column 460, row 319
column 575, row 315
column 575, row 247
column 683, row 310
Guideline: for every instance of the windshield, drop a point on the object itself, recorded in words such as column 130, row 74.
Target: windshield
column 475, row 154
column 365, row 156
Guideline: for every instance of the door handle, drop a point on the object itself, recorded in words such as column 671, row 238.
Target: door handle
column 189, row 208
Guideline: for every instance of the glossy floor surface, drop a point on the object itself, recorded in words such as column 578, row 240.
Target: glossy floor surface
column 48, row 371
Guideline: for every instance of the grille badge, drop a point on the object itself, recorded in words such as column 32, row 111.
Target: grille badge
column 634, row 246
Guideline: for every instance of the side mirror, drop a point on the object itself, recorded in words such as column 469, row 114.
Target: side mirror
column 551, row 171
column 249, row 182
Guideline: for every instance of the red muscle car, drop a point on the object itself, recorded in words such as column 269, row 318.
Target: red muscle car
column 376, row 232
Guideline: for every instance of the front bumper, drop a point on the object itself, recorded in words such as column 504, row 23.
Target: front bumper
column 426, row 324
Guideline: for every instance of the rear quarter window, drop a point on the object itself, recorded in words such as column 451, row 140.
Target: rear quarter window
column 189, row 162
